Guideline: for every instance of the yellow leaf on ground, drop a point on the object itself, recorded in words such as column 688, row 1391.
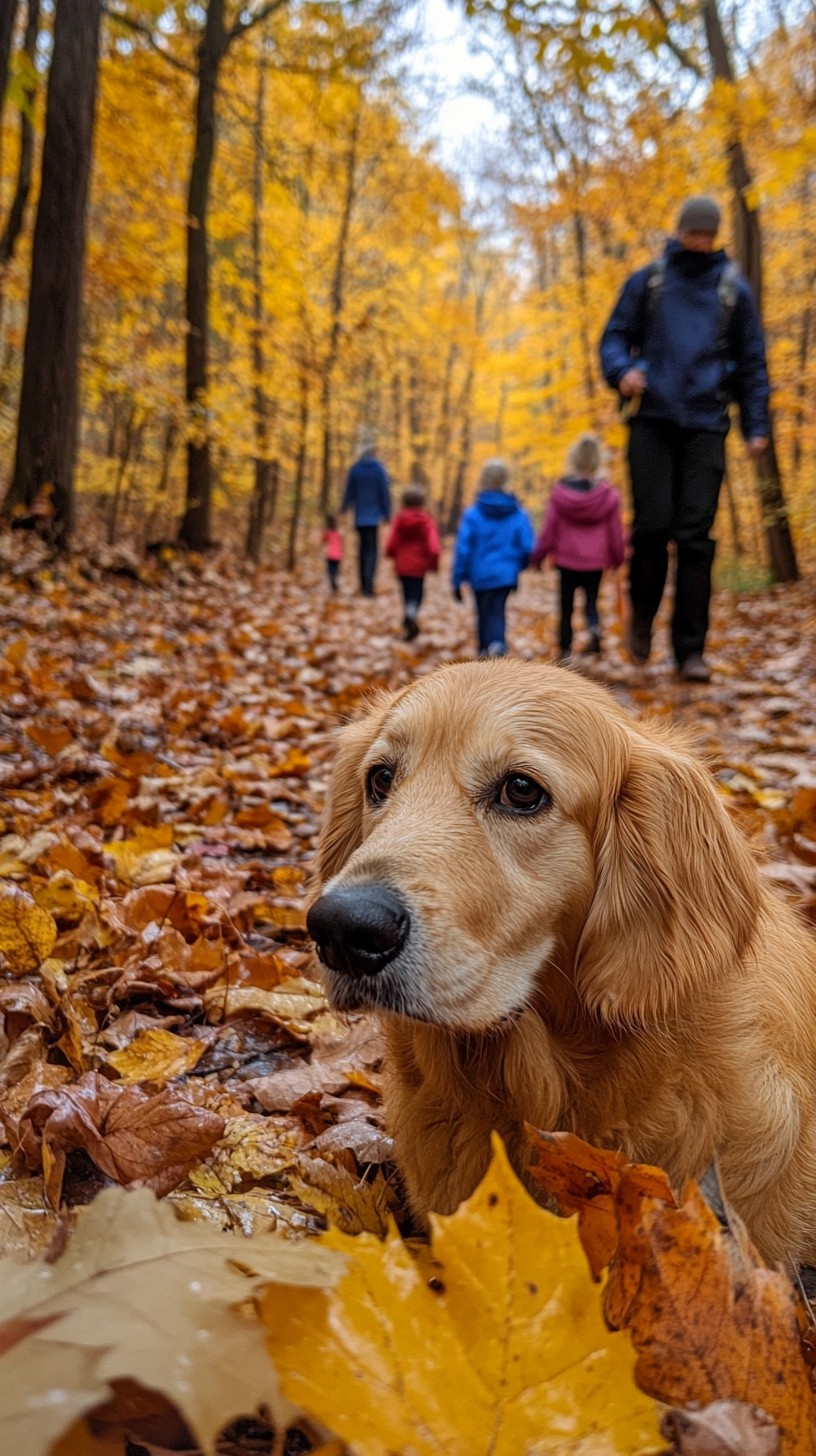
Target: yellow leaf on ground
column 504, row 1351
column 157, row 1056
column 27, row 933
column 147, row 859
column 292, row 1004
column 65, row 897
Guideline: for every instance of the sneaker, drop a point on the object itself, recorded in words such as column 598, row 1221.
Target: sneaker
column 639, row 641
column 411, row 628
column 694, row 669
column 497, row 649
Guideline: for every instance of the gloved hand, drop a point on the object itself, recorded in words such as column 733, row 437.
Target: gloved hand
column 457, row 594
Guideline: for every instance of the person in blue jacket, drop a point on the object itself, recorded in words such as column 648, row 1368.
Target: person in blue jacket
column 493, row 545
column 369, row 496
column 683, row 342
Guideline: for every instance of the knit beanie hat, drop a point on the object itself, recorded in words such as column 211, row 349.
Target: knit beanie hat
column 585, row 457
column 494, row 476
column 699, row 215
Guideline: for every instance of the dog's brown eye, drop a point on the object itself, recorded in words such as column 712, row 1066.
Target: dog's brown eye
column 379, row 781
column 520, row 794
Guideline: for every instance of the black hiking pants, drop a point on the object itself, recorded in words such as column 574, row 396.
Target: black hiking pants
column 367, row 536
column 590, row 582
column 676, row 476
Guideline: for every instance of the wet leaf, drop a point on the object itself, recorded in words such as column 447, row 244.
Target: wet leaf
column 502, row 1351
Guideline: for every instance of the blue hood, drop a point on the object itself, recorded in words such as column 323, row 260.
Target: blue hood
column 496, row 503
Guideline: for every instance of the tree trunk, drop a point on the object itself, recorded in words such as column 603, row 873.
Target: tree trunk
column 748, row 237
column 463, row 464
column 196, row 525
column 14, row 222
column 579, row 234
column 8, row 15
column 265, row 469
column 300, row 469
column 47, row 424
column 337, row 298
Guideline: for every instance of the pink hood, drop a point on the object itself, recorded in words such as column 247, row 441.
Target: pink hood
column 582, row 529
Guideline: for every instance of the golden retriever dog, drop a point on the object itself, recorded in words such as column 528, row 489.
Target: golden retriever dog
column 552, row 913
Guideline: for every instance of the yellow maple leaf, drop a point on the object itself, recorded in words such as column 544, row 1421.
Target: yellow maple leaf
column 503, row 1350
column 27, row 933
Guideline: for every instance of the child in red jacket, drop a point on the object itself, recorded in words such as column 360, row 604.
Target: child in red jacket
column 414, row 546
column 583, row 533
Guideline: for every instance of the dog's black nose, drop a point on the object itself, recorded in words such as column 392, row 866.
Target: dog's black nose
column 358, row 929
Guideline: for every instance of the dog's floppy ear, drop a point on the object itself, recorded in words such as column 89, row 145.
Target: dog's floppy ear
column 677, row 891
column 342, row 828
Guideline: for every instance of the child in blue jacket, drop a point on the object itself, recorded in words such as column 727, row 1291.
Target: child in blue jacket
column 493, row 545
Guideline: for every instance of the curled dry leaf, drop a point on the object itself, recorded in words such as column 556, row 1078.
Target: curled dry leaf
column 130, row 1136
column 27, row 933
column 724, row 1428
column 584, row 1180
column 353, row 1205
column 709, row 1322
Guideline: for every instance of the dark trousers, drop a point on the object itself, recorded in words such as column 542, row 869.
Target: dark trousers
column 490, row 607
column 412, row 589
column 333, row 569
column 676, row 477
column 368, row 558
column 590, row 582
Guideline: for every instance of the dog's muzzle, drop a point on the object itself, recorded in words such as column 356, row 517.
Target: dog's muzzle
column 359, row 929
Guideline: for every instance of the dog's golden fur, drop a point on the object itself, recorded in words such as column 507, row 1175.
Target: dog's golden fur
column 613, row 965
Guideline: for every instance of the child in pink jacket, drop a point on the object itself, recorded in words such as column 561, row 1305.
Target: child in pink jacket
column 583, row 533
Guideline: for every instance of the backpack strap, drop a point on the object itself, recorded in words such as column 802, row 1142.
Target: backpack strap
column 727, row 294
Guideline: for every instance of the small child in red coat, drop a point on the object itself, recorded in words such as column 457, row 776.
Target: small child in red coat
column 583, row 533
column 333, row 550
column 414, row 546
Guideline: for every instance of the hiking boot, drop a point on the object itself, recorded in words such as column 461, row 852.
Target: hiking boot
column 639, row 641
column 410, row 628
column 593, row 646
column 694, row 669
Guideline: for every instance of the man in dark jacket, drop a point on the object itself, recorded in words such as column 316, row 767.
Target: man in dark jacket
column 684, row 339
column 368, row 495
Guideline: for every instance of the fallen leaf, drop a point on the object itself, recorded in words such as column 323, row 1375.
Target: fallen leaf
column 352, row 1204
column 27, row 933
column 503, row 1351
column 724, row 1428
column 291, row 1005
column 585, row 1180
column 129, row 1135
column 157, row 1056
column 709, row 1322
column 139, row 1294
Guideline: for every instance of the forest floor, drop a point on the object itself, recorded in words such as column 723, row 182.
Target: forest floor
column 166, row 745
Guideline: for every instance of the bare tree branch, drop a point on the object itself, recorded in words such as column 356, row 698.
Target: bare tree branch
column 683, row 56
column 247, row 18
column 129, row 22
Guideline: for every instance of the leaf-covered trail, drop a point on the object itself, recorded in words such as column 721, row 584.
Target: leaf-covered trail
column 165, row 750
